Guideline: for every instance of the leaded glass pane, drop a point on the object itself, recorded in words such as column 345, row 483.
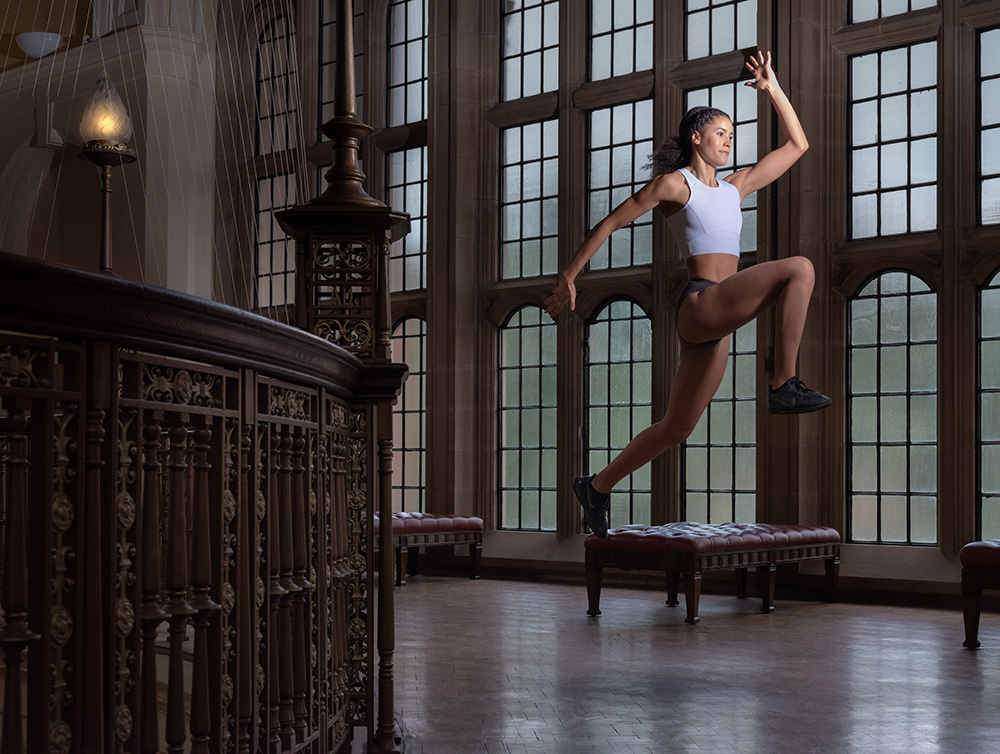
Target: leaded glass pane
column 989, row 410
column 893, row 173
column 530, row 48
column 621, row 37
column 529, row 204
column 527, row 420
column 407, row 62
column 274, row 252
column 407, row 187
column 892, row 384
column 409, row 343
column 867, row 10
column 989, row 139
column 620, row 362
column 712, row 27
column 621, row 139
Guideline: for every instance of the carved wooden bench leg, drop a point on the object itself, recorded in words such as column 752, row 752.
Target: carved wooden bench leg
column 474, row 550
column 595, row 574
column 673, row 580
column 741, row 583
column 413, row 554
column 972, row 603
column 766, row 574
column 692, row 594
column 401, row 555
column 832, row 566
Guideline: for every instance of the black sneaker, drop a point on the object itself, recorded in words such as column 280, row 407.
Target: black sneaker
column 595, row 505
column 795, row 398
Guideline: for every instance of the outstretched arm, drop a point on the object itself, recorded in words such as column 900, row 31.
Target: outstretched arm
column 774, row 163
column 669, row 187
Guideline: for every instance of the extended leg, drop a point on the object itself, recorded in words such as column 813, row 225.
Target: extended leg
column 698, row 377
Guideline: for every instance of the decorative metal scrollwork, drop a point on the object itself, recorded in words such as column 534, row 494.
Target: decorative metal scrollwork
column 60, row 738
column 291, row 404
column 17, row 366
column 346, row 255
column 353, row 335
column 179, row 386
column 61, row 626
column 124, row 616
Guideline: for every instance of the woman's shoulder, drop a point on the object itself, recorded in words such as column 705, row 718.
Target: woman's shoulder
column 671, row 184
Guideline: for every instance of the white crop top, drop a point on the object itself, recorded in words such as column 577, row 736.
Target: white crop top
column 710, row 222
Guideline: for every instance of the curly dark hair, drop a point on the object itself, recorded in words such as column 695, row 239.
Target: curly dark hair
column 675, row 152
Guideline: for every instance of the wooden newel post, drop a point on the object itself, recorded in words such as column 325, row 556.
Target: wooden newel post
column 342, row 294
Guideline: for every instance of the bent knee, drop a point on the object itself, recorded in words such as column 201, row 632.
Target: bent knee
column 801, row 267
column 670, row 433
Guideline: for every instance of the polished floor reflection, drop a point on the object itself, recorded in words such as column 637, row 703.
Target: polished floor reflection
column 517, row 668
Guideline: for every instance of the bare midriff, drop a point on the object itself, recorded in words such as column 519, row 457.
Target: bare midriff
column 715, row 267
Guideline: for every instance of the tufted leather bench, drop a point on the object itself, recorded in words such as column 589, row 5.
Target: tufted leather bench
column 692, row 548
column 980, row 570
column 411, row 531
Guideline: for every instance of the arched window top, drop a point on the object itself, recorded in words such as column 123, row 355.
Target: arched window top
column 895, row 282
column 994, row 281
column 617, row 307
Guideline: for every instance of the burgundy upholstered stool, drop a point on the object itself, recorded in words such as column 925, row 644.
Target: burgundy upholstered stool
column 980, row 570
column 411, row 531
column 691, row 548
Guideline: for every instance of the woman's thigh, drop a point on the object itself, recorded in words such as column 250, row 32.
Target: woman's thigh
column 696, row 382
column 722, row 309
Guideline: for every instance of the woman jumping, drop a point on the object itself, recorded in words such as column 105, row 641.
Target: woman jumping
column 703, row 213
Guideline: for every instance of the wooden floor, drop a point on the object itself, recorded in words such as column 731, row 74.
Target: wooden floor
column 512, row 667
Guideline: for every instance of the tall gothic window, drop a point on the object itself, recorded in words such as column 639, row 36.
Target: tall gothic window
column 621, row 139
column 892, row 382
column 989, row 411
column 619, row 399
column 717, row 26
column 989, row 125
column 407, row 184
column 277, row 121
column 407, row 62
column 527, row 421
column 530, row 62
column 529, row 200
column 893, row 105
column 621, row 37
column 409, row 417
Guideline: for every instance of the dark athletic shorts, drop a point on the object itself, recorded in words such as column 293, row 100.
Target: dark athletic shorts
column 694, row 285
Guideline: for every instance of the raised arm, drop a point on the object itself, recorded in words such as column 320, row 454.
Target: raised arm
column 669, row 187
column 776, row 162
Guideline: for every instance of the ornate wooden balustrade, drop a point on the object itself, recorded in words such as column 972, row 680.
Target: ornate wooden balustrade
column 185, row 505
